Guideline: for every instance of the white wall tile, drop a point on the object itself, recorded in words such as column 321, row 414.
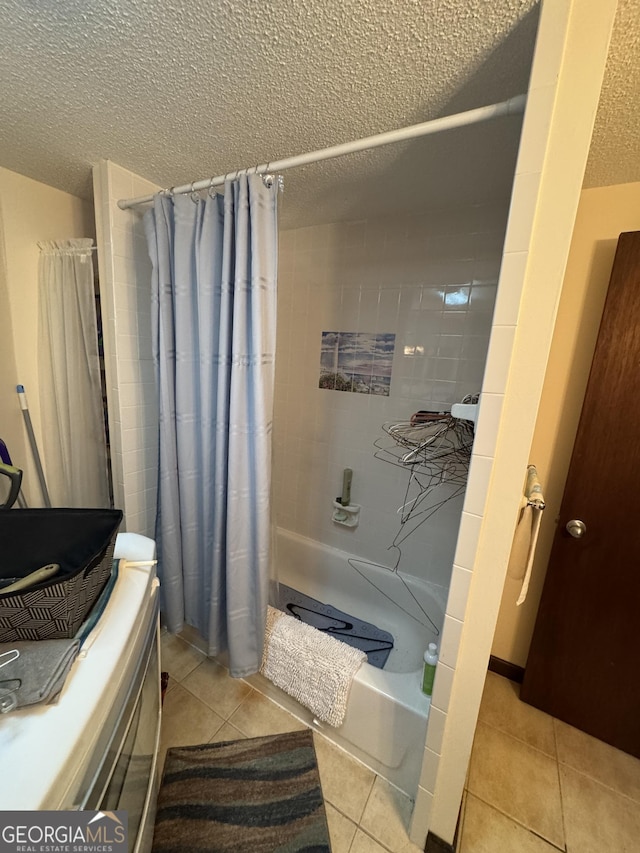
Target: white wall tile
column 435, row 730
column 510, row 289
column 123, row 242
column 432, row 299
column 535, row 131
column 125, row 292
column 498, row 359
column 429, row 772
column 421, row 819
column 486, row 432
column 450, row 641
column 458, row 592
column 550, row 44
column 371, row 286
column 120, row 183
column 442, row 687
column 369, row 310
column 468, row 536
column 143, row 187
column 350, row 311
column 388, row 308
column 477, row 484
column 523, row 207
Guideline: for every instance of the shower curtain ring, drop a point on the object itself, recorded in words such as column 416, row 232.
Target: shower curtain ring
column 267, row 178
column 210, row 188
column 195, row 198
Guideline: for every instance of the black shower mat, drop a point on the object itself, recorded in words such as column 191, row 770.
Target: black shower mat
column 375, row 642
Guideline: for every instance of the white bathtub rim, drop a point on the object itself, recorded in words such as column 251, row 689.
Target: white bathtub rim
column 436, row 591
column 324, row 573
column 402, row 687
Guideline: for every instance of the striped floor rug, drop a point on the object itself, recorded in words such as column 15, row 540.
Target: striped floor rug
column 257, row 795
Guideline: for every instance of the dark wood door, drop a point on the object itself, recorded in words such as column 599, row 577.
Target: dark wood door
column 584, row 662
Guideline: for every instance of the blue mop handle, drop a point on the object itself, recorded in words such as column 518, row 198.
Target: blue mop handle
column 32, row 441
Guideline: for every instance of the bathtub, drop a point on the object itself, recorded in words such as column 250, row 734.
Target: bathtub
column 386, row 719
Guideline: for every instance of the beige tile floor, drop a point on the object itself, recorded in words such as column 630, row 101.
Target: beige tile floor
column 537, row 785
column 204, row 705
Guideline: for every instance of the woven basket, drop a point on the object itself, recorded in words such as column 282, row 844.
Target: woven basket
column 81, row 541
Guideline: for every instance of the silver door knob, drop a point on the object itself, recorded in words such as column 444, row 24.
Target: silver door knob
column 576, row 528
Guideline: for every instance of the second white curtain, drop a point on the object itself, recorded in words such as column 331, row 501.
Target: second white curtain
column 75, row 458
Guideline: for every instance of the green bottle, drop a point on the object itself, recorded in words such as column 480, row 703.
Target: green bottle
column 429, row 671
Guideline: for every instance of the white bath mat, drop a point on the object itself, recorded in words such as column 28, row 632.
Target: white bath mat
column 309, row 665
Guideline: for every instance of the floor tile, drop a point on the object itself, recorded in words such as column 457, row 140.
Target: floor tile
column 486, row 830
column 177, row 657
column 227, row 732
column 213, row 685
column 386, row 817
column 171, row 684
column 257, row 716
column 517, row 780
column 501, row 708
column 596, row 818
column 341, row 830
column 186, row 721
column 346, row 784
column 602, row 762
column 362, row 843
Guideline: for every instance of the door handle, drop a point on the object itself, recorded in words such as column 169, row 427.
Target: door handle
column 576, row 528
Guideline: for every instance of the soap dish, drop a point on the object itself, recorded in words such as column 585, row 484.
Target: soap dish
column 347, row 516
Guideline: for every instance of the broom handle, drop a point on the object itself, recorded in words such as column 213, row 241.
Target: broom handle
column 32, row 441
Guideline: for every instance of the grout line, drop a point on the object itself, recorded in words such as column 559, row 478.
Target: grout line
column 602, row 784
column 617, row 791
column 555, row 740
column 518, row 822
column 520, row 740
column 206, row 705
column 366, row 802
column 369, row 835
column 223, row 723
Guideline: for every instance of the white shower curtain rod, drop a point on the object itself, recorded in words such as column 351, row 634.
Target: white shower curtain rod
column 504, row 108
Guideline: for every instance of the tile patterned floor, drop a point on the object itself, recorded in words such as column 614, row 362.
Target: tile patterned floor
column 537, row 785
column 204, row 705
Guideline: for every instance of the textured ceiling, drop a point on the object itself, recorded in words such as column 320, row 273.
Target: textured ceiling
column 177, row 91
column 614, row 157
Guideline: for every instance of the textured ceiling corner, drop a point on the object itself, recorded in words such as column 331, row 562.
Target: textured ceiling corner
column 614, row 157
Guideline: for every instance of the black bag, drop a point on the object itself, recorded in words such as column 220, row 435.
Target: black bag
column 81, row 541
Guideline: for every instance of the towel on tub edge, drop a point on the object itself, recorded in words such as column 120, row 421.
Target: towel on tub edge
column 309, row 665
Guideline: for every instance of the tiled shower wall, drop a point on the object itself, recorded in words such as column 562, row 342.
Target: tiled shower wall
column 430, row 280
column 125, row 291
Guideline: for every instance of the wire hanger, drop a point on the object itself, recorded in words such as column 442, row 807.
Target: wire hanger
column 435, row 451
column 9, row 687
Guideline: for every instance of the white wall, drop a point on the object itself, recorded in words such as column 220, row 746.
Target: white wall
column 11, row 423
column 32, row 212
column 431, row 281
column 565, row 83
column 125, row 284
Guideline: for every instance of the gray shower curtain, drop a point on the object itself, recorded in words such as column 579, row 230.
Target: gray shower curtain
column 214, row 322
